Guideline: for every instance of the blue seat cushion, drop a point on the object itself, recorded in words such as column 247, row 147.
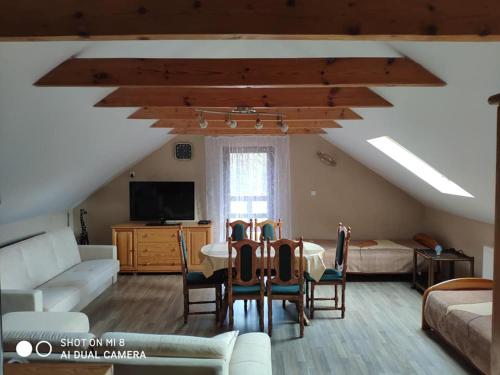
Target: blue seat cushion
column 268, row 232
column 238, row 232
column 330, row 274
column 285, row 289
column 197, row 278
column 246, row 289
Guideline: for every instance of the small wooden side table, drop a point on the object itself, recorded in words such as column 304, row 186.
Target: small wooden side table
column 450, row 256
column 47, row 368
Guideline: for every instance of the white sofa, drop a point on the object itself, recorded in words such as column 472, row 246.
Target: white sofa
column 50, row 272
column 224, row 354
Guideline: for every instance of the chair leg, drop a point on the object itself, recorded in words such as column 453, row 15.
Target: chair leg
column 307, row 294
column 343, row 301
column 246, row 305
column 231, row 314
column 186, row 305
column 336, row 297
column 269, row 316
column 284, row 304
column 312, row 301
column 301, row 317
column 223, row 308
column 218, row 303
column 260, row 305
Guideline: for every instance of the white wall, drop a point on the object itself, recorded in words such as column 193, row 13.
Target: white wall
column 20, row 229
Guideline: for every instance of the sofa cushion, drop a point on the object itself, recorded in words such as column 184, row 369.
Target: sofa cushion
column 33, row 262
column 66, row 290
column 251, row 355
column 218, row 347
column 65, row 248
column 13, row 270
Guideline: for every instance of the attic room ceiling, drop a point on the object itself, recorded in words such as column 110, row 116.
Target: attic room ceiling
column 78, row 147
column 245, row 86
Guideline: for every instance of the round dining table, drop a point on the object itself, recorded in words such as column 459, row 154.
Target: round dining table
column 216, row 254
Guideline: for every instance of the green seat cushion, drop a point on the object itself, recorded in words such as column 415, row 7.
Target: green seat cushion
column 330, row 274
column 198, row 278
column 285, row 289
column 268, row 232
column 238, row 233
column 246, row 289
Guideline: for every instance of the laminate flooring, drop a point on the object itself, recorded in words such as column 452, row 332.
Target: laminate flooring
column 380, row 335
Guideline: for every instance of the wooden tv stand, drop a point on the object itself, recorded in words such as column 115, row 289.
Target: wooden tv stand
column 147, row 248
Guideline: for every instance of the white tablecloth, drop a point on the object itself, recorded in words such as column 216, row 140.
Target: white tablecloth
column 215, row 258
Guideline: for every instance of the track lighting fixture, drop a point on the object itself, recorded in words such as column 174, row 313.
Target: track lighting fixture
column 243, row 112
column 259, row 124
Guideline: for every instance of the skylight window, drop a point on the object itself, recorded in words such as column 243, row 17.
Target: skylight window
column 417, row 166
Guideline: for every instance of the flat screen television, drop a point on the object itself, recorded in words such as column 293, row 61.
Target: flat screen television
column 161, row 201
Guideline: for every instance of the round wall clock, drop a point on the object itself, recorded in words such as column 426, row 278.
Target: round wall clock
column 183, row 151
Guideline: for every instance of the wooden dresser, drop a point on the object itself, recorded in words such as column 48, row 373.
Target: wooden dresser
column 143, row 248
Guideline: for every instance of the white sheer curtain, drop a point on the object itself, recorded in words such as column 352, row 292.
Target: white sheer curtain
column 247, row 178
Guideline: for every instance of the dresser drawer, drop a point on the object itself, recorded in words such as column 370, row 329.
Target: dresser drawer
column 167, row 250
column 156, row 235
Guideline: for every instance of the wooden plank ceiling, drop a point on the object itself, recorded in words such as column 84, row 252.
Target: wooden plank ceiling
column 240, row 72
column 306, row 94
column 238, row 19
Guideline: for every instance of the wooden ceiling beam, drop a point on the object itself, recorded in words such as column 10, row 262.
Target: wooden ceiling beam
column 254, row 19
column 247, row 97
column 290, row 72
column 244, row 124
column 290, row 114
column 237, row 132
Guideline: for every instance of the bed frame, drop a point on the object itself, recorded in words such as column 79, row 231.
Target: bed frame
column 467, row 283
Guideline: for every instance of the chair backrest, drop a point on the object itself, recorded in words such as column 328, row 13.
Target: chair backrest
column 184, row 251
column 268, row 229
column 343, row 238
column 248, row 261
column 239, row 229
column 285, row 262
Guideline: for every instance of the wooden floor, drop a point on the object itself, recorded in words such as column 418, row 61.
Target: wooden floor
column 380, row 334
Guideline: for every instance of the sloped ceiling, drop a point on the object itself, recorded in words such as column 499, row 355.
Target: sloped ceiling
column 56, row 148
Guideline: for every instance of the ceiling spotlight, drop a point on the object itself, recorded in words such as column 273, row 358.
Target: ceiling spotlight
column 203, row 122
column 259, row 124
column 283, row 126
column 231, row 123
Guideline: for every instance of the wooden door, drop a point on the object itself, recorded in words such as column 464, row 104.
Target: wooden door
column 196, row 239
column 123, row 239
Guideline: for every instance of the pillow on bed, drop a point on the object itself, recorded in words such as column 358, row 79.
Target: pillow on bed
column 428, row 241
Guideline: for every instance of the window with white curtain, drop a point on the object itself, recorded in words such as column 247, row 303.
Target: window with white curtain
column 249, row 182
column 247, row 178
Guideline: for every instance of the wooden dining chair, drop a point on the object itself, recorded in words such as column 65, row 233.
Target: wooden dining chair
column 287, row 282
column 246, row 281
column 196, row 280
column 269, row 229
column 239, row 229
column 335, row 276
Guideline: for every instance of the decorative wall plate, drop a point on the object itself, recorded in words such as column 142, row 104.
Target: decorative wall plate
column 183, row 151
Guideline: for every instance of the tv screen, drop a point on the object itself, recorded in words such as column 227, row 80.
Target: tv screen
column 161, row 201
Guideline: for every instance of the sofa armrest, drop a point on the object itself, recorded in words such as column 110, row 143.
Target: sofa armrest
column 21, row 300
column 91, row 252
column 46, row 321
